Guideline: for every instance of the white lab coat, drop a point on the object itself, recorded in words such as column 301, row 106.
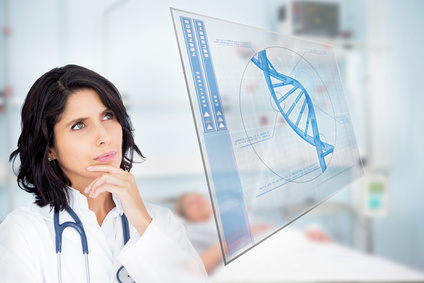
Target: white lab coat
column 162, row 254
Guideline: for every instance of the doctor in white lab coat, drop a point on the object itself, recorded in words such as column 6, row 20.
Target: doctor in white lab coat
column 76, row 150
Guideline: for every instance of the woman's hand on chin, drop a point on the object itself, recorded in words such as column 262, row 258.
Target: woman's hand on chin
column 123, row 185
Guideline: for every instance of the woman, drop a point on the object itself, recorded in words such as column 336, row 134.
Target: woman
column 75, row 151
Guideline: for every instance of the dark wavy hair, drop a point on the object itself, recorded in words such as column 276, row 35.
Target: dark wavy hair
column 42, row 109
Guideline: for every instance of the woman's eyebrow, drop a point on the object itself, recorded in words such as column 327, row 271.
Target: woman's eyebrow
column 106, row 110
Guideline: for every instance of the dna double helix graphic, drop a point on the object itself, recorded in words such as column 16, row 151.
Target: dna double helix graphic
column 322, row 148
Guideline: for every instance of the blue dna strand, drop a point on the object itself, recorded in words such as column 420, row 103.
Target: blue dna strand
column 322, row 148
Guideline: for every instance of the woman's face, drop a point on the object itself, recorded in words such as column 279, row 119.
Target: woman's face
column 196, row 207
column 87, row 134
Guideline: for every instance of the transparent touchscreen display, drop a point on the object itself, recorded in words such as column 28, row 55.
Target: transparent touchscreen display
column 272, row 122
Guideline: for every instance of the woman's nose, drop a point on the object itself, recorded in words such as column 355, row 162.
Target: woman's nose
column 104, row 137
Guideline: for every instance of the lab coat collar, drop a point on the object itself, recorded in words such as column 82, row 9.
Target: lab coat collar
column 118, row 204
column 77, row 201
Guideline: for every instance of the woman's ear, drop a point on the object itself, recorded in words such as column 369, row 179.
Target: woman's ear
column 52, row 154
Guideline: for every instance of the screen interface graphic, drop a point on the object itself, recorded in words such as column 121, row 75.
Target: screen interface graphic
column 272, row 122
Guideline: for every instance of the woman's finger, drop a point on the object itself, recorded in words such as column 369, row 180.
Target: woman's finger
column 108, row 169
column 111, row 179
column 105, row 187
column 105, row 169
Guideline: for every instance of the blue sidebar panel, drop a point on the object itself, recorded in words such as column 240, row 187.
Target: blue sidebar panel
column 225, row 184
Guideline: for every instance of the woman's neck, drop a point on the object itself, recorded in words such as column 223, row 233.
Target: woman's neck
column 101, row 205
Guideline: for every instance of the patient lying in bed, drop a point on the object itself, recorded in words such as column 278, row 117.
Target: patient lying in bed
column 196, row 211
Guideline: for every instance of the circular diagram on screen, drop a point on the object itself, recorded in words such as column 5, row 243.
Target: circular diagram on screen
column 287, row 113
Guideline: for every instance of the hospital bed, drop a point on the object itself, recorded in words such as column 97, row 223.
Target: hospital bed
column 288, row 256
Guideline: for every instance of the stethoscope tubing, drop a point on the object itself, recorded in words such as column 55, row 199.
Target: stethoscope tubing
column 77, row 225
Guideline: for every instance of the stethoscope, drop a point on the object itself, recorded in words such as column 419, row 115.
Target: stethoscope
column 122, row 274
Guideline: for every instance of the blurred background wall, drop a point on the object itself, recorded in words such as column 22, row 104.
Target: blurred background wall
column 379, row 51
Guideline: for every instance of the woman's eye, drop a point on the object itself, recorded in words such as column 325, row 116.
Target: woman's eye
column 78, row 126
column 108, row 116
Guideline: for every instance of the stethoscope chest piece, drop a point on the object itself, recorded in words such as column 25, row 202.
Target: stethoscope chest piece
column 123, row 276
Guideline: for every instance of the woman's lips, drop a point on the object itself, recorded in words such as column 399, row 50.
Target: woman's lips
column 106, row 157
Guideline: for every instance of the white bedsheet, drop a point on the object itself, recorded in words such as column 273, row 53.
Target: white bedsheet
column 289, row 256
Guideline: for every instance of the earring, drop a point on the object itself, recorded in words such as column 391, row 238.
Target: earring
column 49, row 159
